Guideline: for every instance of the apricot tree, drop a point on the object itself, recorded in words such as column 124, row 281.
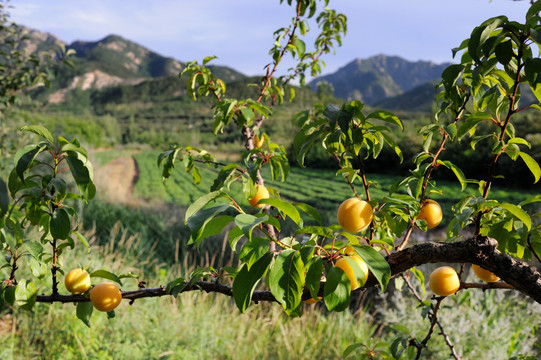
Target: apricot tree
column 478, row 99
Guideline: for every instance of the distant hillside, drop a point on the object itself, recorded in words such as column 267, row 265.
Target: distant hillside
column 117, row 56
column 420, row 98
column 380, row 77
column 111, row 61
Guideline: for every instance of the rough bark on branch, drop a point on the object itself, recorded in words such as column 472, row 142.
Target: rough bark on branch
column 481, row 251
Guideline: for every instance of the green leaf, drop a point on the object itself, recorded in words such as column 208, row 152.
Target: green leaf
column 480, row 35
column 247, row 223
column 84, row 312
column 285, row 208
column 301, row 47
column 470, row 122
column 504, row 52
column 313, row 276
column 387, row 117
column 247, row 280
column 207, row 59
column 376, row 263
column 311, row 211
column 286, row 279
column 75, row 148
column 518, row 213
column 83, row 240
column 26, row 159
column 176, row 286
column 40, row 131
column 9, row 294
column 201, row 202
column 394, row 146
column 106, row 275
column 451, row 75
column 317, row 230
column 458, row 173
column 225, row 174
column 532, row 165
column 253, row 250
column 199, row 221
column 25, row 294
column 4, row 198
column 533, row 10
column 82, row 172
column 213, row 227
column 33, row 247
column 60, row 224
column 337, row 290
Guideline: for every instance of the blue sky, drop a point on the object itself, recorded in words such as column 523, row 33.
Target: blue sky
column 239, row 32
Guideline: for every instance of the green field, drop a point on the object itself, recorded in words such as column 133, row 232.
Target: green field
column 321, row 188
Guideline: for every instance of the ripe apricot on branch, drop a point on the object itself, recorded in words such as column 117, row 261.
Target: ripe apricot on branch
column 356, row 281
column 444, row 281
column 262, row 193
column 354, row 215
column 77, row 281
column 105, row 296
column 483, row 274
column 431, row 213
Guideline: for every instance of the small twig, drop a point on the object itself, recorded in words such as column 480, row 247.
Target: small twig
column 434, row 321
column 433, row 316
column 13, row 268
column 486, row 286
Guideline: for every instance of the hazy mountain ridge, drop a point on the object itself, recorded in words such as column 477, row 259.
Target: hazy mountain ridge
column 385, row 81
column 380, row 77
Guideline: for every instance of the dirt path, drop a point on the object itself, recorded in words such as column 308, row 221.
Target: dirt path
column 115, row 181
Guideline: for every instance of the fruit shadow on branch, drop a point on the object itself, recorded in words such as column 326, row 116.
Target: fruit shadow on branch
column 479, row 250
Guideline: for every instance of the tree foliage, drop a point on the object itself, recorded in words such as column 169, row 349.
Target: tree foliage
column 289, row 266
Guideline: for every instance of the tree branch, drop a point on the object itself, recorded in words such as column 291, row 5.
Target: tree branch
column 480, row 251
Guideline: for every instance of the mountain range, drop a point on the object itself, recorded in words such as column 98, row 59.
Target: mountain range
column 381, row 77
column 381, row 80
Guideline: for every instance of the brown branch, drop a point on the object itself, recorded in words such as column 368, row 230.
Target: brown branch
column 433, row 165
column 511, row 111
column 158, row 292
column 479, row 251
column 54, row 267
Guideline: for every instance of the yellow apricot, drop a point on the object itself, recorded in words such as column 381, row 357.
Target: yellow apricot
column 77, row 281
column 431, row 213
column 483, row 274
column 262, row 193
column 105, row 296
column 354, row 215
column 356, row 282
column 444, row 281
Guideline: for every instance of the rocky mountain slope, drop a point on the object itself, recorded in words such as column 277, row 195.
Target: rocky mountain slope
column 380, row 77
